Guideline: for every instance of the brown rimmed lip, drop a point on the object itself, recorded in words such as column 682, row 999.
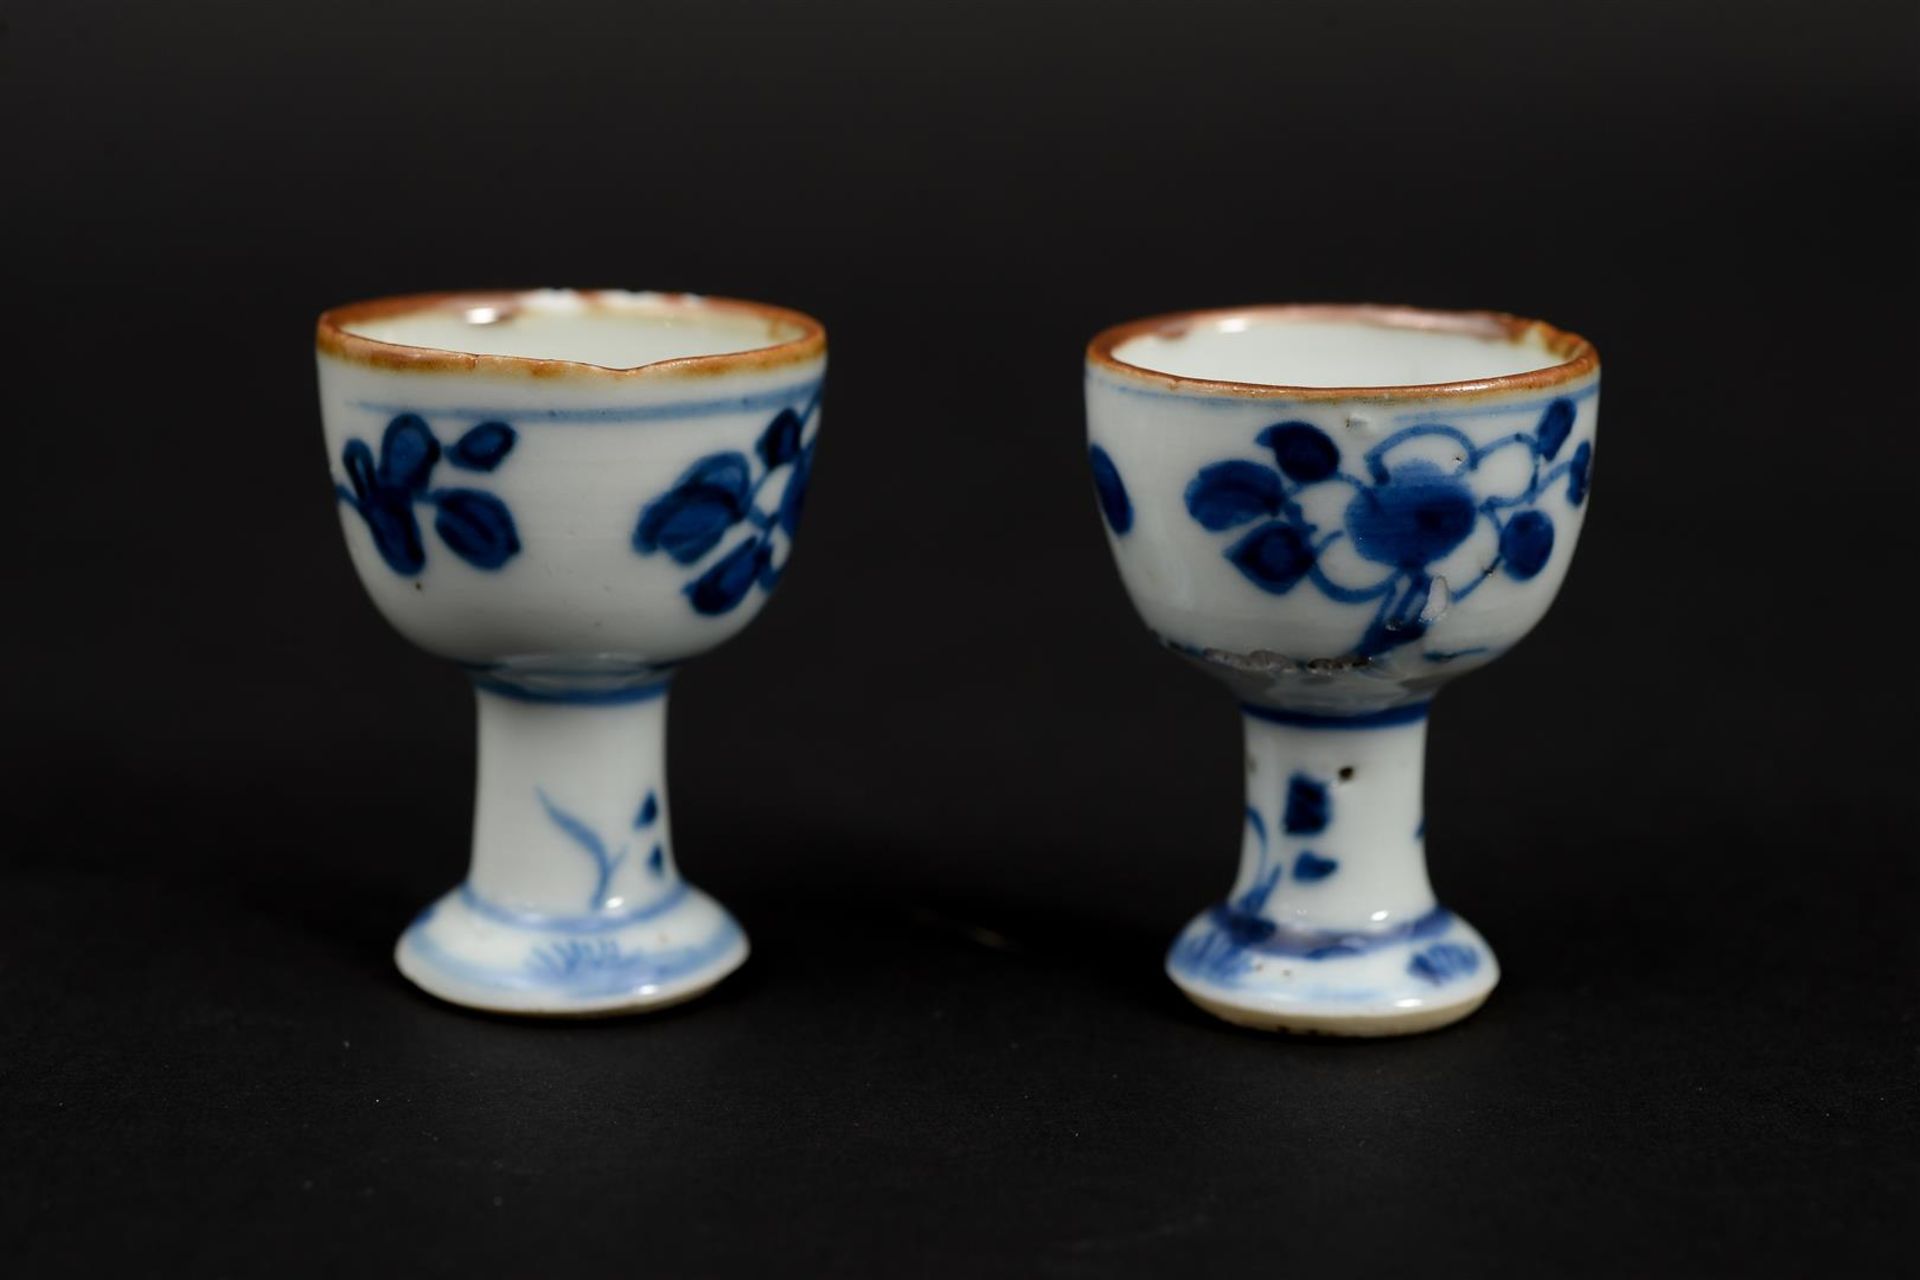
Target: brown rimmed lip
column 1578, row 358
column 332, row 337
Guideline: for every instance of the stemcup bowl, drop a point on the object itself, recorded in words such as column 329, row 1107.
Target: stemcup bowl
column 569, row 494
column 1334, row 510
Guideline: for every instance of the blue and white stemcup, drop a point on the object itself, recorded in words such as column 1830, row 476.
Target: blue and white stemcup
column 1333, row 511
column 638, row 467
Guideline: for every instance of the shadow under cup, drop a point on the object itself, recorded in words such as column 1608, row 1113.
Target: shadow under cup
column 1334, row 511
column 569, row 494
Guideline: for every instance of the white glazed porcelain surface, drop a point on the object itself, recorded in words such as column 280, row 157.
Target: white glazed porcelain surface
column 1329, row 353
column 570, row 537
column 611, row 330
column 1334, row 558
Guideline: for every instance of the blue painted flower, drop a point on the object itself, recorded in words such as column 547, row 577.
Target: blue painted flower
column 1414, row 518
column 1416, row 509
column 720, row 492
column 475, row 525
column 691, row 518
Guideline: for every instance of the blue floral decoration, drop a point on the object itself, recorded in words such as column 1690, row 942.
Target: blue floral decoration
column 719, row 493
column 474, row 525
column 1115, row 505
column 1405, row 515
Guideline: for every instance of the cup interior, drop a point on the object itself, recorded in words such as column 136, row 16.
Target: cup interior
column 1359, row 348
column 607, row 328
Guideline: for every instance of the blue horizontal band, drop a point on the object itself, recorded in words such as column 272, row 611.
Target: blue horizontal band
column 578, row 970
column 1332, row 944
column 753, row 402
column 1411, row 713
column 618, row 695
column 592, row 922
column 1424, row 408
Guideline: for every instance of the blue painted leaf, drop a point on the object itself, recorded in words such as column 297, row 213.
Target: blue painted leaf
column 690, row 519
column 576, row 830
column 1580, row 473
column 686, row 524
column 1310, row 867
column 721, row 588
column 1308, row 809
column 1555, row 425
column 407, row 453
column 793, row 502
column 1274, row 556
column 476, row 526
column 1303, row 451
column 1526, row 543
column 727, row 473
column 1227, row 494
column 357, row 459
column 657, row 861
column 780, row 442
column 396, row 533
column 649, row 811
column 482, row 447
column 1114, row 503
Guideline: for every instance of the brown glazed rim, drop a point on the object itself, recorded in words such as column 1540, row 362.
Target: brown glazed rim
column 1579, row 359
column 332, row 337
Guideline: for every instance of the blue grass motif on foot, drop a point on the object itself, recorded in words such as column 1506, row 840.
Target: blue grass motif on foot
column 1223, row 951
column 1444, row 961
column 720, row 492
column 1240, row 926
column 590, row 968
column 595, row 963
column 1256, row 925
column 1235, row 939
column 1404, row 515
column 474, row 525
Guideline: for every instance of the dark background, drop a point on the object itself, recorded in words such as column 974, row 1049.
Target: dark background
column 954, row 792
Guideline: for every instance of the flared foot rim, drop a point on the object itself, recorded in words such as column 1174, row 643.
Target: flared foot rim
column 1305, row 1023
column 464, row 954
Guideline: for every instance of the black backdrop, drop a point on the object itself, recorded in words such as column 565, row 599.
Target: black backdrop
column 952, row 789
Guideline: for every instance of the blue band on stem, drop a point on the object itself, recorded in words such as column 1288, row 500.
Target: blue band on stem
column 1411, row 713
column 614, row 696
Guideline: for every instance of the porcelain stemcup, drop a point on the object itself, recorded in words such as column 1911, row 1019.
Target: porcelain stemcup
column 569, row 494
column 1334, row 510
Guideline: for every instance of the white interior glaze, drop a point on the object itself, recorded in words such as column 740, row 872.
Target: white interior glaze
column 1307, row 352
column 615, row 330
